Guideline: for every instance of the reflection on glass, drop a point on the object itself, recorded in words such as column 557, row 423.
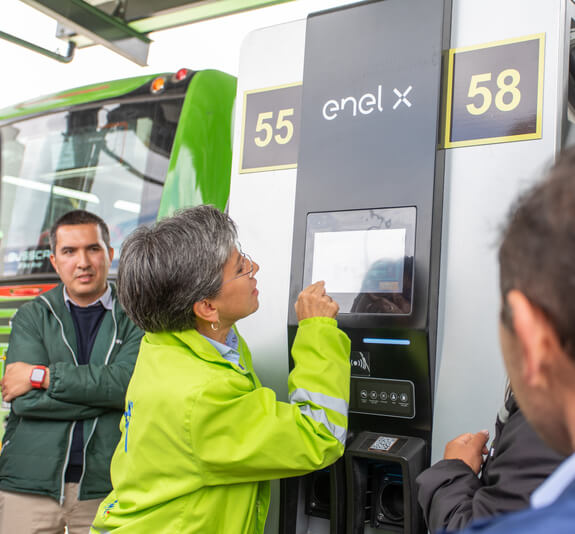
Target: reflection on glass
column 109, row 159
column 398, row 302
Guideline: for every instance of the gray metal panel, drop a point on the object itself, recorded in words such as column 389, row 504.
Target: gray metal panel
column 481, row 182
column 262, row 205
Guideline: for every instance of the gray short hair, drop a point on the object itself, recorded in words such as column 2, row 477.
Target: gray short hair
column 179, row 261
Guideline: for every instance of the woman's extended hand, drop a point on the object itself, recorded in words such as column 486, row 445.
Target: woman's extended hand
column 313, row 302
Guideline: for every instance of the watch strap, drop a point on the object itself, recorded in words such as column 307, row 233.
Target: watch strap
column 37, row 383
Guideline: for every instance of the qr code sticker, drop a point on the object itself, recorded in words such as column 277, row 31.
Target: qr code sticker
column 383, row 443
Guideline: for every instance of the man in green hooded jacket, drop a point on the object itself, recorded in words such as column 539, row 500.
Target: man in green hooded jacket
column 71, row 355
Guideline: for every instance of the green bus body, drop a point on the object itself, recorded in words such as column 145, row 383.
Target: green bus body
column 199, row 170
column 180, row 137
column 200, row 165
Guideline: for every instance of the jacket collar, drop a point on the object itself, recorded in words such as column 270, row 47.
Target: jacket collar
column 54, row 300
column 191, row 339
column 56, row 297
column 105, row 300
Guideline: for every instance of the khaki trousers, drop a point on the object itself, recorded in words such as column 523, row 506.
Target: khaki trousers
column 24, row 513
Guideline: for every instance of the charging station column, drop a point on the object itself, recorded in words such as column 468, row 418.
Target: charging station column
column 368, row 222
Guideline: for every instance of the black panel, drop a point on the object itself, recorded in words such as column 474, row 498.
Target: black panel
column 369, row 136
column 371, row 155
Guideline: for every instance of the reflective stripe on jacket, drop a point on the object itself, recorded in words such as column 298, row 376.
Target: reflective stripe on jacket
column 202, row 437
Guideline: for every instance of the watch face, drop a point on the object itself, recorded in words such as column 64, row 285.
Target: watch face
column 37, row 375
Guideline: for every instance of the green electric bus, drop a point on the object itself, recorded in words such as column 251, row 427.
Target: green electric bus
column 129, row 150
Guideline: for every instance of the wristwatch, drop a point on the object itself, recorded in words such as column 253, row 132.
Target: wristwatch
column 37, row 376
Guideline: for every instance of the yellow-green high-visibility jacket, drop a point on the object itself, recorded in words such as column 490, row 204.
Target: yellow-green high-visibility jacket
column 201, row 438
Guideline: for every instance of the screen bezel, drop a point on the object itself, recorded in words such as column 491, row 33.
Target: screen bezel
column 375, row 303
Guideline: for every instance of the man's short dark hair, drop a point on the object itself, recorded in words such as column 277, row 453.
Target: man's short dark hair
column 75, row 217
column 537, row 252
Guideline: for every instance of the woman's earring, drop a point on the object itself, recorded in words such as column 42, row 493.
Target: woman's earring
column 215, row 326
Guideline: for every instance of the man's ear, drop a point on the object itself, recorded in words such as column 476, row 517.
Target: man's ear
column 204, row 309
column 537, row 338
column 53, row 262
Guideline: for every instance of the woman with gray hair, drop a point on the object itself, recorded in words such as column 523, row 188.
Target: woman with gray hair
column 201, row 436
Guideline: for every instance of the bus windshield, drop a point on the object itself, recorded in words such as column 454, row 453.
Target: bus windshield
column 110, row 159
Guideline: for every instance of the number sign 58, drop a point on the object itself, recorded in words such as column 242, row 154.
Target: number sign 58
column 507, row 83
column 494, row 92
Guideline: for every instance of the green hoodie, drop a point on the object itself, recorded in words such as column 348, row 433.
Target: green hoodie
column 38, row 435
column 202, row 437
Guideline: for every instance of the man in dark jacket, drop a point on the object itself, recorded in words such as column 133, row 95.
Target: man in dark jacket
column 536, row 259
column 71, row 355
column 451, row 492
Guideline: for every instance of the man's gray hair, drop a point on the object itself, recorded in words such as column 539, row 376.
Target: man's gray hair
column 166, row 268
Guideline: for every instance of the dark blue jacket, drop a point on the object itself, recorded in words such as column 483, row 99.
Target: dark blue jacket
column 557, row 518
column 451, row 495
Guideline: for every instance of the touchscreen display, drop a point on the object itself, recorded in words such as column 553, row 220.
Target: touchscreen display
column 360, row 260
column 365, row 258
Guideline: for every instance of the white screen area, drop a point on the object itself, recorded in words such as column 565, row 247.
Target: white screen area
column 344, row 259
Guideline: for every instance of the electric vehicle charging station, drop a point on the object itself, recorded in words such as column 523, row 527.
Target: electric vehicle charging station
column 379, row 146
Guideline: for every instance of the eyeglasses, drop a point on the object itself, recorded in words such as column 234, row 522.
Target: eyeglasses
column 247, row 268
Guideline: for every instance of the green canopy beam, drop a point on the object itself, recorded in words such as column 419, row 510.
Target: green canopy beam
column 107, row 30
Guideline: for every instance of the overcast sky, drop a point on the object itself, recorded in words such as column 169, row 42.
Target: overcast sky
column 210, row 44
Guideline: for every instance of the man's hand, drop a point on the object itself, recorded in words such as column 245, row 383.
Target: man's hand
column 468, row 448
column 313, row 302
column 16, row 381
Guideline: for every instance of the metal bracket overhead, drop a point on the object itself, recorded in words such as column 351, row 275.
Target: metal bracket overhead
column 44, row 51
column 104, row 29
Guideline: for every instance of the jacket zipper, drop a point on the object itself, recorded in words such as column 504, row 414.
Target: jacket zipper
column 74, row 425
column 84, row 454
column 68, row 448
column 115, row 333
column 96, row 420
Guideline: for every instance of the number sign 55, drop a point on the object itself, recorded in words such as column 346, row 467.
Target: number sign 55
column 270, row 136
column 282, row 122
